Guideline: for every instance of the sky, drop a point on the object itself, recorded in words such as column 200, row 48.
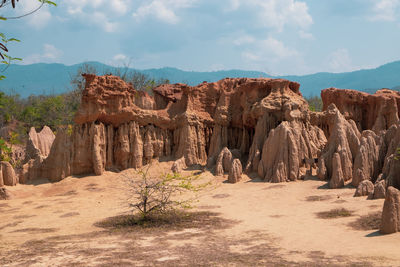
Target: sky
column 274, row 36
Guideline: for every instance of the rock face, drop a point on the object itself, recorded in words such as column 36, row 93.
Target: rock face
column 235, row 173
column 286, row 148
column 224, row 162
column 379, row 190
column 336, row 160
column 365, row 188
column 7, row 174
column 178, row 165
column 38, row 148
column 369, row 159
column 390, row 222
column 370, row 112
column 4, row 195
column 39, row 144
column 263, row 123
column 119, row 127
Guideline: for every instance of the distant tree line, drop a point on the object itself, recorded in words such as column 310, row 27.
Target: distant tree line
column 315, row 103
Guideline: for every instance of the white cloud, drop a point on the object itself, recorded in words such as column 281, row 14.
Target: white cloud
column 102, row 20
column 277, row 14
column 269, row 49
column 49, row 54
column 306, row 35
column 385, row 10
column 40, row 18
column 340, row 61
column 164, row 10
column 101, row 13
column 244, row 39
column 120, row 57
column 278, row 48
column 119, row 6
column 232, row 5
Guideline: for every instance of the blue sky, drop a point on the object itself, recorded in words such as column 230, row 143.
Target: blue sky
column 274, row 36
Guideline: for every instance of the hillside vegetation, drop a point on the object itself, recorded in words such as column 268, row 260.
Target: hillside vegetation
column 48, row 79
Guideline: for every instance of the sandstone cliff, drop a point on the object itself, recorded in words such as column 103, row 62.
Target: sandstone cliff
column 266, row 123
column 370, row 112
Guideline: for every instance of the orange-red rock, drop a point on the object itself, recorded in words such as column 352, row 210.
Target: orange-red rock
column 266, row 123
column 370, row 112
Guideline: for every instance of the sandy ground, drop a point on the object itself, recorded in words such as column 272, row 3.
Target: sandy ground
column 52, row 224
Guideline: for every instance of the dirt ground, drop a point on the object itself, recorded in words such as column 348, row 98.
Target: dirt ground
column 250, row 223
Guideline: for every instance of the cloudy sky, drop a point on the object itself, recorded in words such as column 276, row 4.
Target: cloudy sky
column 275, row 36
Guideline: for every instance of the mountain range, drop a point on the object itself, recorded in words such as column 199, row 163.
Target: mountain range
column 44, row 78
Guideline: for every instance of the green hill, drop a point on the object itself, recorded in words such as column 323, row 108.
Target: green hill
column 45, row 78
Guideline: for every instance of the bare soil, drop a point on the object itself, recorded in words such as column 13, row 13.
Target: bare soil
column 81, row 221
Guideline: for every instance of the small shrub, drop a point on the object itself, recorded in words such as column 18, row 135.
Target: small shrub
column 5, row 150
column 335, row 213
column 157, row 195
column 397, row 154
column 372, row 221
column 315, row 103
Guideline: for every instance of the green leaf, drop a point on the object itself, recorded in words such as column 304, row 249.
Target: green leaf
column 5, row 62
column 2, row 18
column 48, row 2
column 16, row 58
column 13, row 39
column 2, row 77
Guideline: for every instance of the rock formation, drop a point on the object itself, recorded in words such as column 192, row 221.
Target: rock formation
column 336, row 160
column 369, row 158
column 235, row 172
column 178, row 165
column 39, row 144
column 365, row 188
column 7, row 174
column 375, row 112
column 4, row 195
column 264, row 123
column 390, row 222
column 379, row 190
column 224, row 162
column 37, row 149
column 286, row 148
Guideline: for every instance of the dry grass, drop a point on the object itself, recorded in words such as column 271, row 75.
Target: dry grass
column 41, row 207
column 70, row 214
column 335, row 213
column 372, row 221
column 221, row 196
column 36, row 230
column 173, row 220
column 23, row 216
column 69, row 193
column 318, row 198
column 4, row 205
column 274, row 186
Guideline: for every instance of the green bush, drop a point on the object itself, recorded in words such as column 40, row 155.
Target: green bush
column 315, row 103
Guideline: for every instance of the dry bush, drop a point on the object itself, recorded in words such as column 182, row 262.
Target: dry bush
column 335, row 213
column 173, row 219
column 372, row 221
column 151, row 196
